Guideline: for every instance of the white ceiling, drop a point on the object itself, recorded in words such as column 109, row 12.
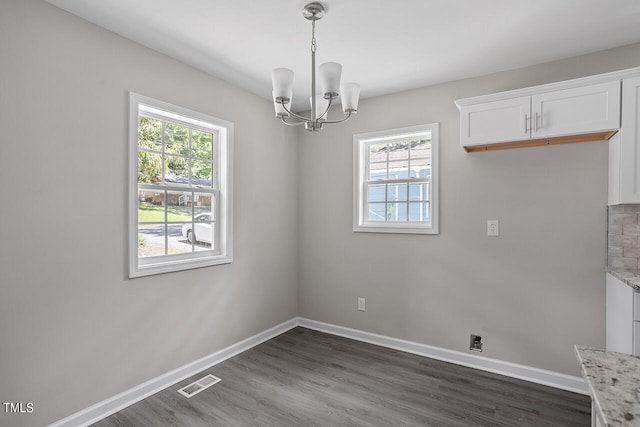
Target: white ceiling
column 386, row 46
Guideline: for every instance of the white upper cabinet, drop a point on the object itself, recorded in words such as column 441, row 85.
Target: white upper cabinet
column 497, row 121
column 577, row 110
column 624, row 149
column 585, row 109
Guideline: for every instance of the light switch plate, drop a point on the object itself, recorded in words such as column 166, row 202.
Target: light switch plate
column 493, row 228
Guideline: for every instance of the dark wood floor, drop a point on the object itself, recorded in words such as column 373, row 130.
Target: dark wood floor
column 308, row 378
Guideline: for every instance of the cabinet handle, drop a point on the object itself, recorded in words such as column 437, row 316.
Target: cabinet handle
column 537, row 122
column 526, row 121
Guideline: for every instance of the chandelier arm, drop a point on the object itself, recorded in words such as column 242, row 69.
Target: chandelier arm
column 289, row 123
column 340, row 121
column 297, row 116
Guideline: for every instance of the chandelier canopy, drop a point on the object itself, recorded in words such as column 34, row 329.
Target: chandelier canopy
column 330, row 73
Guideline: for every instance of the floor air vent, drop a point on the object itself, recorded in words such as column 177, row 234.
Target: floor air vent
column 197, row 386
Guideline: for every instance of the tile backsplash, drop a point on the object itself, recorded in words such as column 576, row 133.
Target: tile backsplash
column 623, row 234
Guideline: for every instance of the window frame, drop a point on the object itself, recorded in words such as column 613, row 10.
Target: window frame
column 221, row 191
column 361, row 142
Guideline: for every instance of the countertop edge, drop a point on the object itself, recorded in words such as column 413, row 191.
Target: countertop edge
column 587, row 378
column 628, row 277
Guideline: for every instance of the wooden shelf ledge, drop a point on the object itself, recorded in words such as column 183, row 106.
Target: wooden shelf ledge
column 600, row 136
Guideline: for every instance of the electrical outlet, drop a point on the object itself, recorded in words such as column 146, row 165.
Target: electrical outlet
column 475, row 343
column 493, row 228
column 362, row 304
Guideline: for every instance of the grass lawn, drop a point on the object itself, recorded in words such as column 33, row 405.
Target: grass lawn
column 148, row 212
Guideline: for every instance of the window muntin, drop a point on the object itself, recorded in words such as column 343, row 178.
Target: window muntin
column 395, row 180
column 181, row 188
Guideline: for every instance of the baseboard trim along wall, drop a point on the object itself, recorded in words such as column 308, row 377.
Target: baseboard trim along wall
column 116, row 403
column 127, row 398
column 528, row 373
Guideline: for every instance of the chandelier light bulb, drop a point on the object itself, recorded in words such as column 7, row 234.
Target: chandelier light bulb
column 330, row 73
column 350, row 94
column 282, row 79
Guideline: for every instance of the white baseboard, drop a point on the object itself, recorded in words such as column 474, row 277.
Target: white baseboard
column 127, row 398
column 116, row 403
column 528, row 373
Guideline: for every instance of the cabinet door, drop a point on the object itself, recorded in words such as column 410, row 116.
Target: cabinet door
column 494, row 122
column 629, row 150
column 580, row 110
column 619, row 316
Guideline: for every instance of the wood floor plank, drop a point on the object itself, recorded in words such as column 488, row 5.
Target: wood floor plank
column 308, row 378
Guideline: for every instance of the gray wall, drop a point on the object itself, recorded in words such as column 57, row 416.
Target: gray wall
column 73, row 329
column 532, row 293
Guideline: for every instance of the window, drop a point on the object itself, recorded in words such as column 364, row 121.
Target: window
column 396, row 180
column 180, row 188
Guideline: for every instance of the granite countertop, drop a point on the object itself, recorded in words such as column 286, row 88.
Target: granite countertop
column 614, row 383
column 630, row 277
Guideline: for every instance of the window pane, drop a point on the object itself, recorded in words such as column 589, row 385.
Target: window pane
column 204, row 221
column 396, row 192
column 176, row 170
column 149, row 134
column 421, row 148
column 418, row 211
column 398, row 151
column 392, row 211
column 420, row 168
column 201, row 145
column 149, row 167
column 151, row 240
column 176, row 139
column 179, row 206
column 199, row 231
column 400, row 212
column 201, row 173
column 377, row 153
column 377, row 171
column 399, row 169
column 150, row 206
column 203, row 203
column 177, row 242
column 376, row 212
column 418, row 192
column 376, row 193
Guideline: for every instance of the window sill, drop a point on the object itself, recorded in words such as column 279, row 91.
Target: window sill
column 165, row 266
column 399, row 229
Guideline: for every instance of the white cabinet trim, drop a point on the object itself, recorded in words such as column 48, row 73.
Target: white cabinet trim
column 550, row 87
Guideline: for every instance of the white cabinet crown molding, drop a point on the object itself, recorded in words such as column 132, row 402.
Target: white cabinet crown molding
column 550, row 87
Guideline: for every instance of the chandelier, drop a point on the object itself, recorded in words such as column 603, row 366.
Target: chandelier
column 330, row 72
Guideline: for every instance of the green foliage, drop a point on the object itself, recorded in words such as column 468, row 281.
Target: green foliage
column 395, row 146
column 178, row 153
column 150, row 138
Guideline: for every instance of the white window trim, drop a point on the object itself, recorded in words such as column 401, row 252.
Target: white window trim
column 224, row 209
column 359, row 179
